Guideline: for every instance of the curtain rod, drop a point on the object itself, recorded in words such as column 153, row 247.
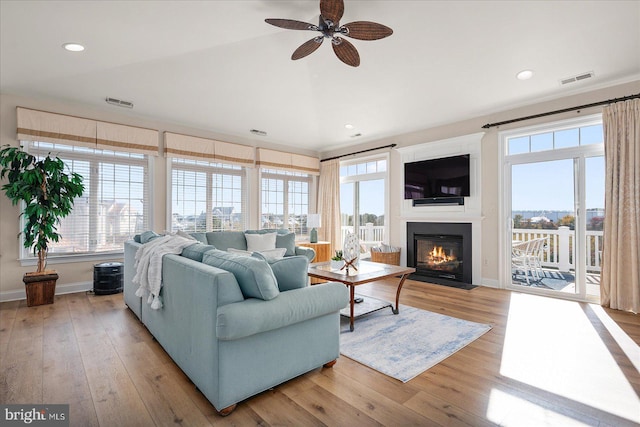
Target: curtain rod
column 359, row 152
column 564, row 110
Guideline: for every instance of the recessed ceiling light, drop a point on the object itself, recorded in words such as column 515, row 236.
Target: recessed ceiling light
column 348, row 126
column 524, row 75
column 73, row 47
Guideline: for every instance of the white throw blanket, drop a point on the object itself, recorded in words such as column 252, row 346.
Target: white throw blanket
column 148, row 265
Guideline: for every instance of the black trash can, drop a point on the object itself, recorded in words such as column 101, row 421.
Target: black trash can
column 108, row 278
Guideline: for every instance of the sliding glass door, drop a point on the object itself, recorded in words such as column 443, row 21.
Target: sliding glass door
column 594, row 214
column 553, row 201
column 543, row 230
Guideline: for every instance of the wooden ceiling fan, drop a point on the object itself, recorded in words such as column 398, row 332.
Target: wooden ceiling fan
column 329, row 25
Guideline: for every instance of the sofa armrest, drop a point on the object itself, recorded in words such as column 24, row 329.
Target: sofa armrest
column 308, row 252
column 253, row 316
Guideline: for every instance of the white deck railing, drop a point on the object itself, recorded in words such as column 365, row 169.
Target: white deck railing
column 369, row 235
column 560, row 251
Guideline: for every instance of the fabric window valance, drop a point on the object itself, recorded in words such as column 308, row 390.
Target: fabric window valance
column 194, row 148
column 271, row 159
column 35, row 125
column 111, row 136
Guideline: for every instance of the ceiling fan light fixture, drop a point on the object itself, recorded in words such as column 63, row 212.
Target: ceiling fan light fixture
column 329, row 26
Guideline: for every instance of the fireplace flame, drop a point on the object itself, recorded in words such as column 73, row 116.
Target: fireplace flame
column 438, row 256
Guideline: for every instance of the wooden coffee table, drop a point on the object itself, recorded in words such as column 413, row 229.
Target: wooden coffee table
column 367, row 272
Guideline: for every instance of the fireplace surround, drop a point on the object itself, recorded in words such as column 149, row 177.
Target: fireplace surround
column 441, row 253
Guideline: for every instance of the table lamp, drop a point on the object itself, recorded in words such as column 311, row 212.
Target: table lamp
column 313, row 222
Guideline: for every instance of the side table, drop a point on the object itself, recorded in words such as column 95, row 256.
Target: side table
column 323, row 253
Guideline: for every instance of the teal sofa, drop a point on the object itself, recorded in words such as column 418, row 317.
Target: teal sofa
column 239, row 325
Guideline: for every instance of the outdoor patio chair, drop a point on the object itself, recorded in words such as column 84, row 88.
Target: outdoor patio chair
column 527, row 257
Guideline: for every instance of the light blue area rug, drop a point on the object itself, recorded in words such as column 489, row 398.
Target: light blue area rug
column 405, row 345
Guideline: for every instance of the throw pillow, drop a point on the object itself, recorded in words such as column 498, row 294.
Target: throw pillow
column 200, row 237
column 196, row 251
column 148, row 236
column 290, row 272
column 239, row 252
column 254, row 276
column 260, row 242
column 272, row 254
column 287, row 241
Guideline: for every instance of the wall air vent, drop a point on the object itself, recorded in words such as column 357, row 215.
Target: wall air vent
column 119, row 102
column 577, row 78
column 258, row 132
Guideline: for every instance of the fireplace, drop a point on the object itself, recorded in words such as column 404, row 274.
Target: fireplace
column 440, row 252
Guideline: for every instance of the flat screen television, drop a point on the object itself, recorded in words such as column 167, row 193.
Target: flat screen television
column 447, row 177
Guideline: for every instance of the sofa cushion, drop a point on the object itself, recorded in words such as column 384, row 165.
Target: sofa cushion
column 252, row 316
column 254, row 276
column 196, row 251
column 290, row 272
column 224, row 240
column 260, row 242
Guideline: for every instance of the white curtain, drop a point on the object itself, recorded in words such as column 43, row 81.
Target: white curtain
column 329, row 203
column 620, row 277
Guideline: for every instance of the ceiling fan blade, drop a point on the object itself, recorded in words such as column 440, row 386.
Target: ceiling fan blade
column 365, row 30
column 291, row 24
column 332, row 10
column 307, row 48
column 345, row 51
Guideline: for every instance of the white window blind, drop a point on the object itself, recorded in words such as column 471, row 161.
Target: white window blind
column 207, row 196
column 115, row 203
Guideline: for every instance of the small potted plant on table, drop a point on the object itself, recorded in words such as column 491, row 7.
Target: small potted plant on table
column 48, row 193
column 336, row 261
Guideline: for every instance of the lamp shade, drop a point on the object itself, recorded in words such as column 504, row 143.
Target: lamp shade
column 313, row 220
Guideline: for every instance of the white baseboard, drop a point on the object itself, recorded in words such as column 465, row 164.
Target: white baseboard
column 68, row 288
column 491, row 283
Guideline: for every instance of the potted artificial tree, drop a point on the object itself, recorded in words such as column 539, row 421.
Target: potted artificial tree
column 48, row 193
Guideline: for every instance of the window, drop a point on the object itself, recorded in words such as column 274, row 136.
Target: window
column 555, row 139
column 207, row 196
column 115, row 203
column 362, row 199
column 285, row 200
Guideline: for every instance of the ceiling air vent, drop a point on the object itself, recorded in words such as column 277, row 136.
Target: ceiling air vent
column 355, row 135
column 119, row 102
column 577, row 78
column 258, row 132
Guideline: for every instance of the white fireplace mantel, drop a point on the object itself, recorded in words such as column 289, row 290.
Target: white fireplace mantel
column 470, row 212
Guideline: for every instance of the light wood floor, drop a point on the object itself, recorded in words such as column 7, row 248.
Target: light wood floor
column 545, row 362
